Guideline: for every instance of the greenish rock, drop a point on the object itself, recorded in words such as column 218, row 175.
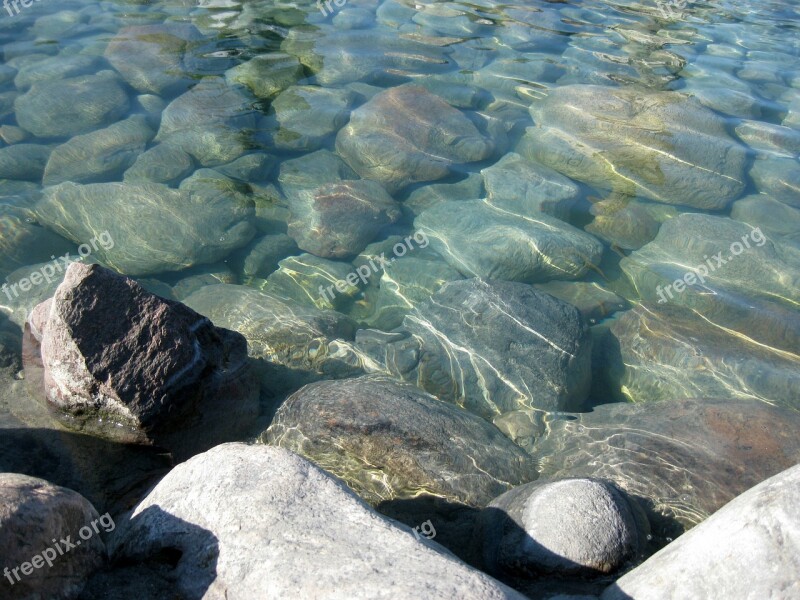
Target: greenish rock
column 102, row 155
column 262, row 258
column 272, row 210
column 737, row 103
column 11, row 134
column 57, row 25
column 528, row 188
column 196, row 278
column 626, row 222
column 313, row 170
column 338, row 220
column 479, row 239
column 163, row 163
column 24, row 162
column 306, row 116
column 184, row 227
column 455, row 93
column 667, row 352
column 593, row 300
column 94, row 101
column 661, row 146
column 778, row 177
column 390, row 440
column 354, row 18
column 23, row 242
column 406, row 135
column 56, row 67
column 426, row 196
column 776, row 219
column 677, row 457
column 266, row 75
column 250, row 167
column 212, row 122
column 312, row 281
column 491, row 347
column 769, row 138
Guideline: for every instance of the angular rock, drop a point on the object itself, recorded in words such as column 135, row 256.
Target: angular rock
column 406, row 135
column 253, row 521
column 188, row 386
column 390, row 440
column 491, row 347
column 658, row 145
column 33, row 513
column 184, row 227
column 483, row 240
column 567, row 527
column 24, row 162
column 94, row 101
column 748, row 549
column 339, row 219
column 101, row 155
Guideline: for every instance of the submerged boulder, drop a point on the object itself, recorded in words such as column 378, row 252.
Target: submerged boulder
column 390, row 440
column 662, row 146
column 154, row 372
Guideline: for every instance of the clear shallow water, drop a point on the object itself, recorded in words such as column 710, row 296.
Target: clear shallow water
column 599, row 151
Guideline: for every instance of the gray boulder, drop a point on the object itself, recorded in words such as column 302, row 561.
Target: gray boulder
column 34, row 513
column 163, row 163
column 491, row 347
column 156, row 372
column 658, row 145
column 566, row 527
column 390, row 440
column 750, row 548
column 480, row 239
column 254, row 521
column 405, row 135
column 95, row 101
column 306, row 116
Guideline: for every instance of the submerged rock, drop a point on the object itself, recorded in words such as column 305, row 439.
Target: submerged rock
column 35, row 513
column 306, row 116
column 339, row 219
column 312, row 281
column 748, row 549
column 593, row 300
column 188, row 386
column 658, row 145
column 779, row 177
column 266, row 253
column 491, row 347
column 184, row 227
column 390, row 440
column 566, row 527
column 266, row 75
column 94, row 101
column 626, row 222
column 480, row 239
column 254, row 521
column 163, row 163
column 24, row 162
column 56, row 67
column 406, row 134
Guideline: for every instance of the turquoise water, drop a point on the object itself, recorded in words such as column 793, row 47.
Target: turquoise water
column 316, row 177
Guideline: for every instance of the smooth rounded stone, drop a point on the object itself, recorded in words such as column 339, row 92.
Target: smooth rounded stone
column 491, row 347
column 480, row 239
column 264, row 256
column 312, row 281
column 662, row 352
column 212, row 122
column 626, row 222
column 774, row 218
column 793, row 115
column 11, row 134
column 422, row 198
column 266, row 75
column 184, row 227
column 570, row 528
column 272, row 210
column 152, row 58
column 24, row 162
column 163, row 163
column 94, row 101
column 354, row 18
column 376, row 56
column 254, row 521
column 189, row 387
column 56, row 67
column 456, row 93
column 682, row 459
column 313, row 170
column 403, row 285
column 513, row 78
column 102, row 155
column 7, row 74
column 250, row 167
column 528, row 188
column 305, row 342
column 33, row 513
column 593, row 300
column 57, row 25
column 23, row 242
column 406, row 135
column 305, row 116
column 661, row 146
column 779, row 177
column 737, row 103
column 188, row 282
column 390, row 440
column 7, row 103
column 769, row 138
column 748, row 549
column 337, row 220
